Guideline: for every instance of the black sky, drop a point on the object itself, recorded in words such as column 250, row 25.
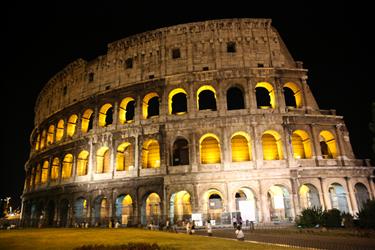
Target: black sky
column 41, row 39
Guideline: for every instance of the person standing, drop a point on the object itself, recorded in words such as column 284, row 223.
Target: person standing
column 188, row 230
column 234, row 221
column 239, row 233
column 192, row 227
column 209, row 228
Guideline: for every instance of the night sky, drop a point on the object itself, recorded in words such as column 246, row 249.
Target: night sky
column 41, row 39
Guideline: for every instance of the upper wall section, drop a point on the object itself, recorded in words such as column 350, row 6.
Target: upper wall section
column 176, row 50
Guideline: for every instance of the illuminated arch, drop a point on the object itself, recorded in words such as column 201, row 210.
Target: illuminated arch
column 337, row 195
column 279, row 203
column 151, row 154
column 180, row 206
column 80, row 210
column 152, row 209
column 211, row 103
column 106, row 115
column 82, row 163
column 51, row 134
column 241, row 148
column 361, row 195
column 213, row 204
column 60, row 130
column 209, row 149
column 124, row 209
column 124, row 157
column 172, row 109
column 87, row 120
column 272, row 145
column 44, row 176
column 37, row 172
column 271, row 93
column 327, row 145
column 301, row 145
column 67, row 167
column 246, row 196
column 297, row 94
column 37, row 143
column 126, row 110
column 102, row 160
column 55, row 169
column 101, row 210
column 43, row 140
column 146, row 105
column 72, row 123
column 309, row 196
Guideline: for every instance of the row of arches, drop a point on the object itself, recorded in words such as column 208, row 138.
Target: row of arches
column 209, row 148
column 213, row 205
column 177, row 105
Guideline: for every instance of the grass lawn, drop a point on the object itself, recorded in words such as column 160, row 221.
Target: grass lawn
column 72, row 237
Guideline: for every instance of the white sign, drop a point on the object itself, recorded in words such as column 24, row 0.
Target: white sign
column 247, row 209
column 196, row 217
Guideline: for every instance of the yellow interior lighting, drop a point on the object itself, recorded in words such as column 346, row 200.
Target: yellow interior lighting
column 60, row 130
column 55, row 169
column 272, row 146
column 37, row 143
column 153, row 205
column 297, row 93
column 127, row 201
column 209, row 149
column 329, row 139
column 82, row 163
column 44, row 172
column 86, row 120
column 103, row 114
column 122, row 109
column 182, row 204
column 37, row 175
column 43, row 140
column 102, row 160
column 170, row 97
column 146, row 99
column 72, row 123
column 124, row 157
column 202, row 88
column 151, row 154
column 301, row 145
column 67, row 167
column 270, row 90
column 51, row 134
column 240, row 143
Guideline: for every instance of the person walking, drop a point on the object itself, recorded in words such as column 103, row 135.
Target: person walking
column 239, row 233
column 192, row 227
column 188, row 229
column 209, row 228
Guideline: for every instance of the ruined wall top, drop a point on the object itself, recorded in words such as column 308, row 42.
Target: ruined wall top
column 138, row 58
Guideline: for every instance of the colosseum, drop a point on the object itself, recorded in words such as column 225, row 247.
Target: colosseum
column 205, row 120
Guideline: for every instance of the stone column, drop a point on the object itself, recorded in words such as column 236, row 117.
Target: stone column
column 340, row 153
column 91, row 165
column 225, row 149
column 136, row 155
column 265, row 215
column 254, row 149
column 372, row 187
column 115, row 117
column 352, row 201
column 295, row 184
column 324, row 194
column 258, row 147
column 316, row 144
column 194, row 155
column 279, row 96
column 252, row 96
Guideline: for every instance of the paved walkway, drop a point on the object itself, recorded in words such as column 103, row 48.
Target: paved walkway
column 300, row 239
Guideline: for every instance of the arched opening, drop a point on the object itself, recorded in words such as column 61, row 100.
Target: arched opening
column 101, row 209
column 102, row 160
column 44, row 172
column 67, row 167
column 124, row 209
column 60, row 130
column 151, row 154
column 82, row 163
column 72, row 123
column 126, row 111
column 180, row 207
column 361, row 195
column 180, row 152
column 43, row 140
column 301, row 145
column 272, row 145
column 279, row 203
column 327, row 145
column 235, row 99
column 206, row 98
column 37, row 213
column 64, row 209
column 38, row 170
column 87, row 120
column 37, row 143
column 124, row 157
column 55, row 169
column 265, row 95
column 209, row 149
column 292, row 95
column 80, row 211
column 150, row 105
column 246, row 204
column 106, row 115
column 213, row 205
column 151, row 210
column 177, row 102
column 309, row 196
column 51, row 134
column 337, row 196
column 240, row 147
column 50, row 213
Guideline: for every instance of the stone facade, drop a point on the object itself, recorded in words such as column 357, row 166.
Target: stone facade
column 208, row 59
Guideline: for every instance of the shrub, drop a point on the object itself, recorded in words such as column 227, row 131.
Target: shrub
column 129, row 246
column 366, row 216
column 332, row 218
column 310, row 217
column 347, row 219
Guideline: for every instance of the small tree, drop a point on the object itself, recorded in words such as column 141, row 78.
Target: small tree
column 332, row 218
column 367, row 215
column 310, row 217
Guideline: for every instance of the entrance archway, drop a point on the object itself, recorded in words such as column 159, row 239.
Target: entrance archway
column 124, row 209
column 180, row 207
column 279, row 203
